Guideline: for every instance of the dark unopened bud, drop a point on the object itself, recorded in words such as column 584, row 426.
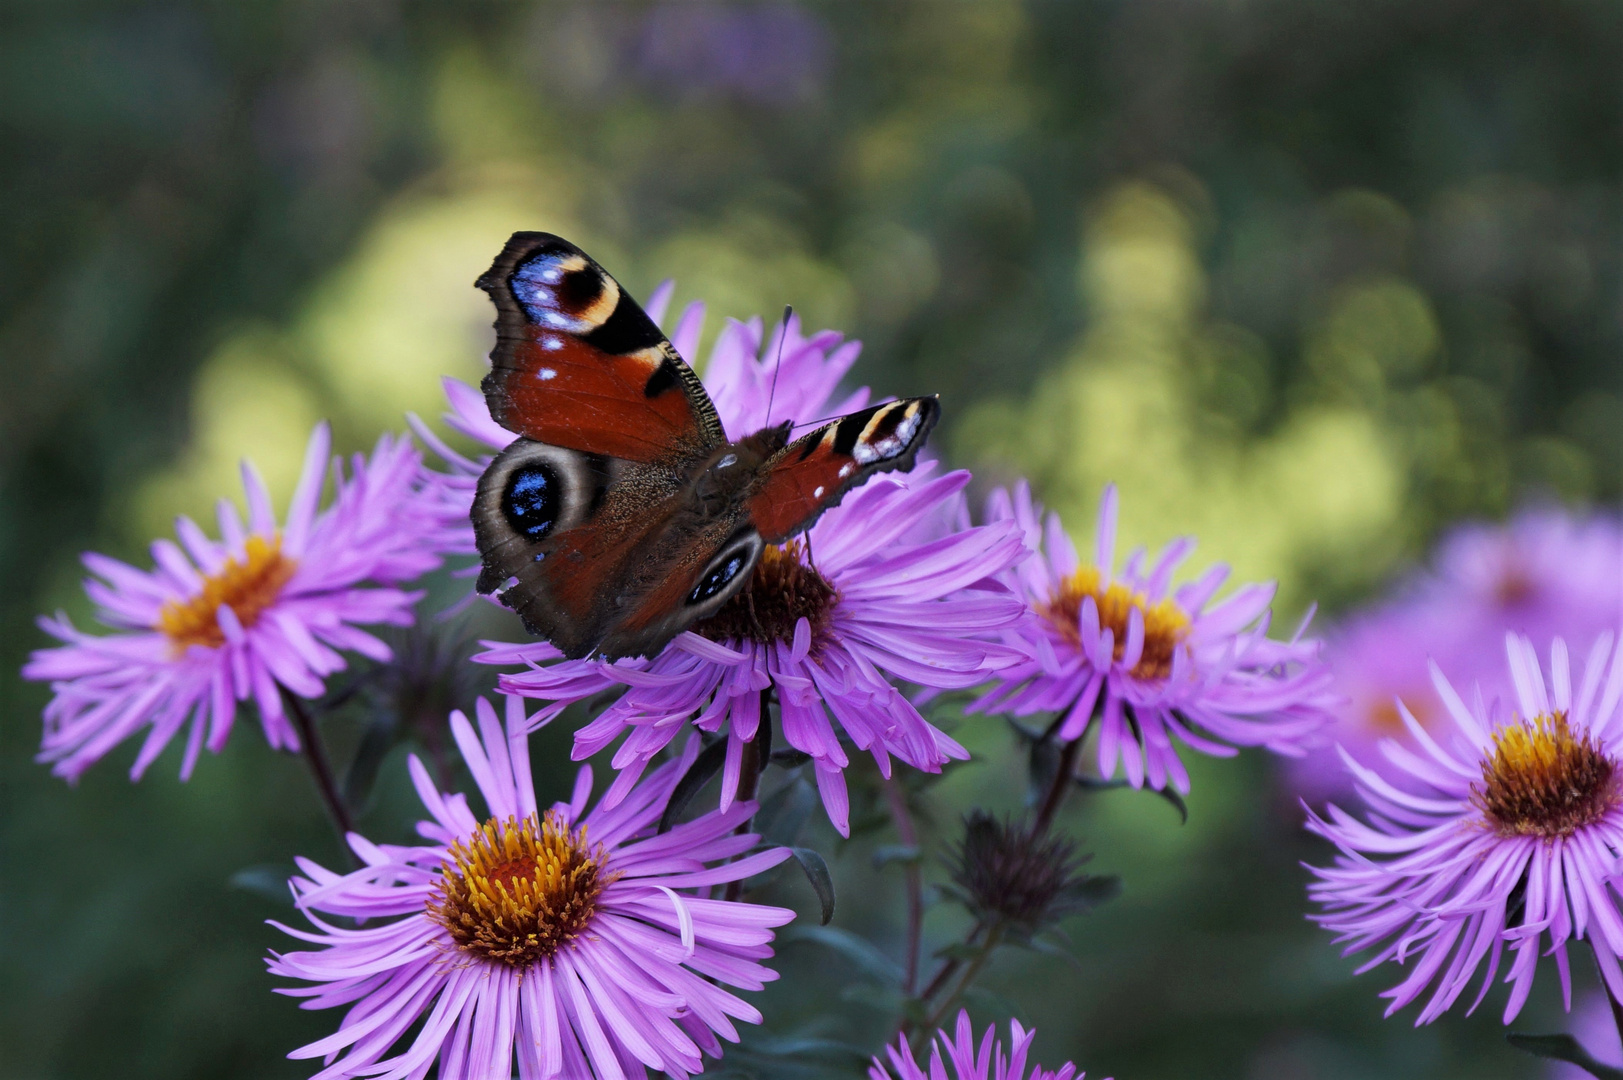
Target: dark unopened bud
column 409, row 696
column 429, row 675
column 1001, row 871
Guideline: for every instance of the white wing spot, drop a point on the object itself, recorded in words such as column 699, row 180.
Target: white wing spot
column 546, row 373
column 818, row 494
column 552, row 342
column 847, row 469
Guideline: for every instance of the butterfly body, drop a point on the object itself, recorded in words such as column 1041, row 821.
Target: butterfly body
column 622, row 514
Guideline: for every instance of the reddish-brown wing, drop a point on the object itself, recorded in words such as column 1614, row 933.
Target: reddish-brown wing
column 578, row 364
column 814, row 472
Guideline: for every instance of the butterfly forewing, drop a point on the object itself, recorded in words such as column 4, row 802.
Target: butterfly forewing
column 579, row 364
column 815, row 471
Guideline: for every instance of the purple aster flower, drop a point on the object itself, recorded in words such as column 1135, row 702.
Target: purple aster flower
column 987, row 1062
column 1508, row 836
column 893, row 583
column 1151, row 663
column 1544, row 572
column 582, row 943
column 264, row 608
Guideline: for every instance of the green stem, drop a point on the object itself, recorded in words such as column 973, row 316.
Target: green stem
column 1056, row 790
column 315, row 755
column 966, row 980
column 913, row 875
column 950, row 966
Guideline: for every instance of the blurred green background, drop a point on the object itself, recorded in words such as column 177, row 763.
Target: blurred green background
column 1310, row 280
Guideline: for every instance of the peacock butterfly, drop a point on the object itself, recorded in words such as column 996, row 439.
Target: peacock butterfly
column 622, row 514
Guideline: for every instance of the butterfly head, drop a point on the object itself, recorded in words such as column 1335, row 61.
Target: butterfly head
column 768, row 441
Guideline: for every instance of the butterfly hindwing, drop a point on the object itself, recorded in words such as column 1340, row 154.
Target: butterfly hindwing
column 600, row 554
column 815, row 471
column 561, row 532
column 578, row 364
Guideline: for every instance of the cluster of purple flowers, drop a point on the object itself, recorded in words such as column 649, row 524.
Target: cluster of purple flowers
column 1487, row 760
column 581, row 940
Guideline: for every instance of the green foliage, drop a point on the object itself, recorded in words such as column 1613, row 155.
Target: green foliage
column 1563, row 1048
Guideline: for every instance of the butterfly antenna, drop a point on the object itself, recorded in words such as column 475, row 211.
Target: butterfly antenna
column 819, row 420
column 777, row 363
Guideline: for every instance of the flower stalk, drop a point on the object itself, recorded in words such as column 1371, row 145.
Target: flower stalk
column 315, row 755
column 1055, row 795
column 971, row 971
column 913, row 881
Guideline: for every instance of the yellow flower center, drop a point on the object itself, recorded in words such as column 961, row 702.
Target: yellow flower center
column 246, row 587
column 1165, row 624
column 517, row 891
column 1543, row 780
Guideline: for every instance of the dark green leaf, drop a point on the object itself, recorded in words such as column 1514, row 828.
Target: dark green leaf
column 958, row 950
column 1042, row 765
column 768, row 1045
column 1094, row 783
column 706, row 765
column 889, row 853
column 1024, row 733
column 861, row 952
column 781, row 816
column 991, row 1001
column 882, row 999
column 1092, row 891
column 1046, row 945
column 790, row 758
column 362, row 774
column 1563, row 1048
column 822, row 882
column 1177, row 802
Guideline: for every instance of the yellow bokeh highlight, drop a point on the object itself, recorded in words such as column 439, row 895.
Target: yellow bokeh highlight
column 402, row 310
column 749, row 265
column 378, row 331
column 250, row 399
column 1135, row 403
